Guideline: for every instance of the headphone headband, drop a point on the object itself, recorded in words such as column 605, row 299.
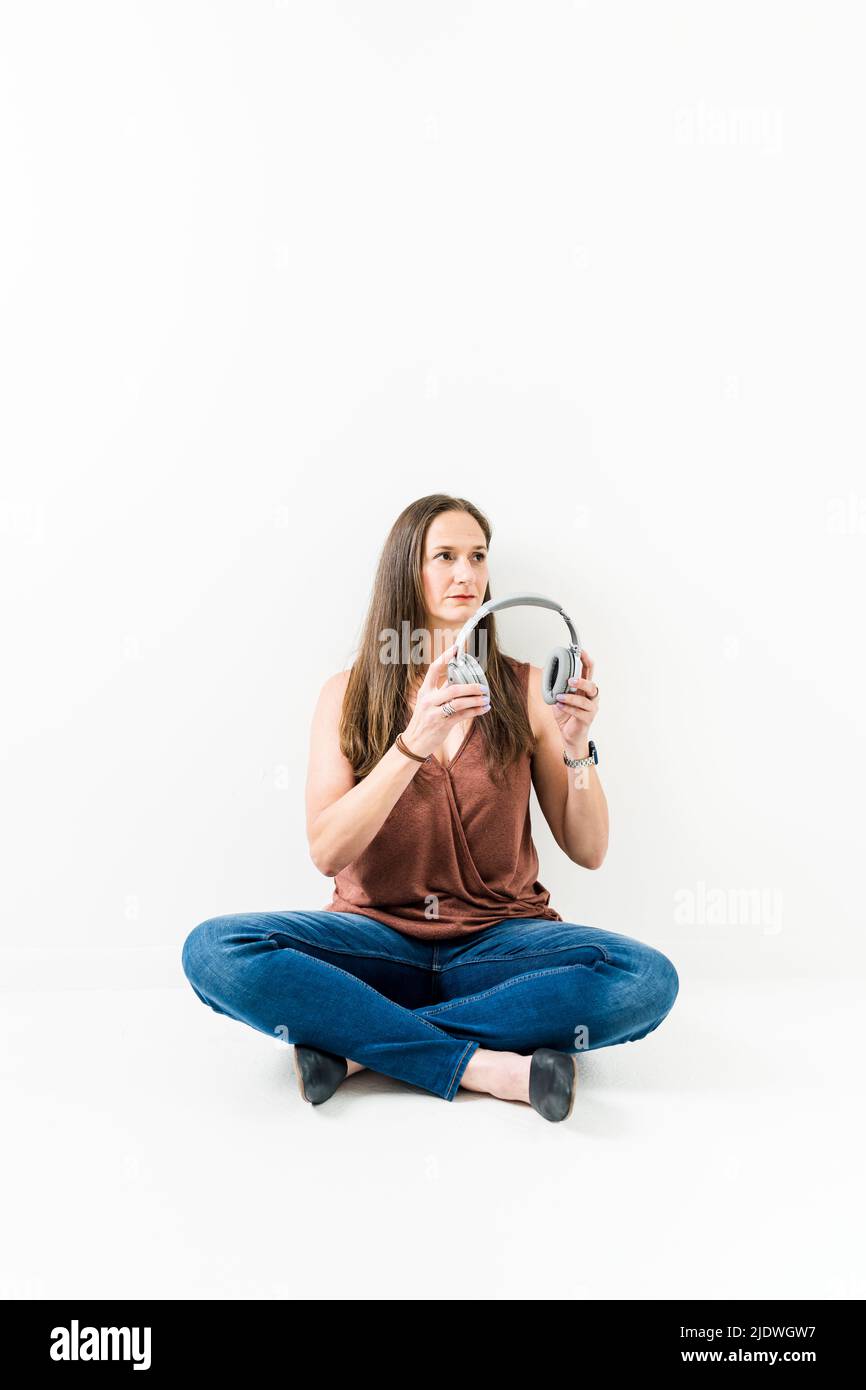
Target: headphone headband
column 530, row 600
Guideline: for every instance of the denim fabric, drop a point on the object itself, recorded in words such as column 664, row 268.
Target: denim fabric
column 416, row 1009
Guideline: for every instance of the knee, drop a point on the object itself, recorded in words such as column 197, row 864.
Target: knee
column 200, row 948
column 663, row 983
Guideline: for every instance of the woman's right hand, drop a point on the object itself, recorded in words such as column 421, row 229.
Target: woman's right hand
column 428, row 728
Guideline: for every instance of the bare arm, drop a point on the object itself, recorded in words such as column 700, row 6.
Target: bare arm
column 574, row 805
column 343, row 818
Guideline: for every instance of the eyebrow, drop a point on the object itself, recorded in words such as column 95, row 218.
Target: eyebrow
column 448, row 545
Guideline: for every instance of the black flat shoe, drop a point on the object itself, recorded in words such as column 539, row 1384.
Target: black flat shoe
column 553, row 1083
column 319, row 1073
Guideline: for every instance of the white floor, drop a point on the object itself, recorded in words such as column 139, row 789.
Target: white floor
column 156, row 1149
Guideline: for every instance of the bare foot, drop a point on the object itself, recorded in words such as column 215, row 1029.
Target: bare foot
column 502, row 1074
column 354, row 1066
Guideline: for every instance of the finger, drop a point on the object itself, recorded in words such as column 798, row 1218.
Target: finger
column 575, row 702
column 458, row 692
column 434, row 670
column 444, row 655
column 578, row 683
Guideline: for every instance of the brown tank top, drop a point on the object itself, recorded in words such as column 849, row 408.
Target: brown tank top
column 455, row 852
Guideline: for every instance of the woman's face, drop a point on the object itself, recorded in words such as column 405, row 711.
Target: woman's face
column 454, row 573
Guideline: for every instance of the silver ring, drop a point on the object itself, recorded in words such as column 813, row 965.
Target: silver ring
column 448, row 709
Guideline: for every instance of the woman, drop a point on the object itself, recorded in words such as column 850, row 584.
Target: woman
column 439, row 960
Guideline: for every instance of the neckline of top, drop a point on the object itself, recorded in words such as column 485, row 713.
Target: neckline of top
column 434, row 763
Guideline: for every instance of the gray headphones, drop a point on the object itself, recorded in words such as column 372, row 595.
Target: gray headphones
column 563, row 662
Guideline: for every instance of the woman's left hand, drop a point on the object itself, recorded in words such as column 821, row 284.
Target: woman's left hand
column 575, row 711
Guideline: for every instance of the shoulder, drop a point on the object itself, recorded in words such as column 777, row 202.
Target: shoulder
column 338, row 681
column 333, row 689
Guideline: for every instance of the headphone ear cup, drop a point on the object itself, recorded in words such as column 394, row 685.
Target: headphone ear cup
column 464, row 670
column 559, row 667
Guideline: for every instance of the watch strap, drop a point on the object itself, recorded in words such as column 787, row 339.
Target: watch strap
column 589, row 761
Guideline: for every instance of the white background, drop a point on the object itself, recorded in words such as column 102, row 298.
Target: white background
column 269, row 272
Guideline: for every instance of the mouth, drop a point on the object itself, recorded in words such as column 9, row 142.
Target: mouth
column 462, row 598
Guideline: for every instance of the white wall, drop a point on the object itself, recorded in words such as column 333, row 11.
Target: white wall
column 271, row 271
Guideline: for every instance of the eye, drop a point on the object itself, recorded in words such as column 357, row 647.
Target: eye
column 479, row 554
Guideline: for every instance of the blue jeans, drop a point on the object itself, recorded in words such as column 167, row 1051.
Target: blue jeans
column 418, row 1009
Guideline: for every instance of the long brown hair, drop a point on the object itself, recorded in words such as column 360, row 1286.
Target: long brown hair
column 375, row 705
